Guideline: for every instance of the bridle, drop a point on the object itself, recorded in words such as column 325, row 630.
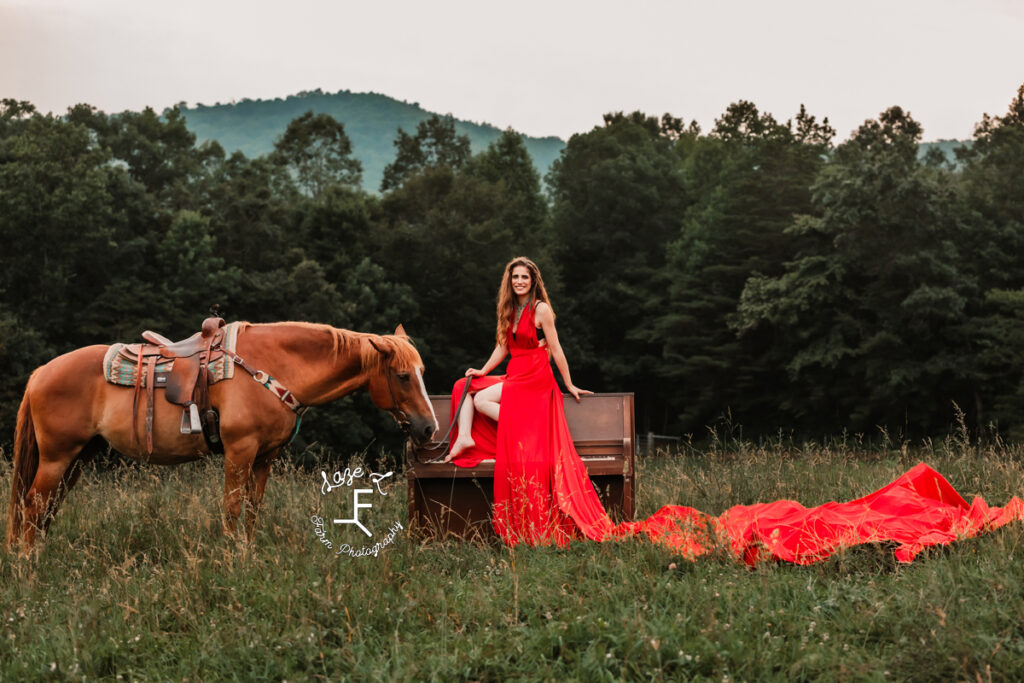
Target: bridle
column 400, row 416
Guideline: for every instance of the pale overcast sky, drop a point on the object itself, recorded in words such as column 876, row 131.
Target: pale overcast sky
column 543, row 67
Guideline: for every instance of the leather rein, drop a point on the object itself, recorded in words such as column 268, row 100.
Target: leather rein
column 455, row 415
column 454, row 421
column 402, row 418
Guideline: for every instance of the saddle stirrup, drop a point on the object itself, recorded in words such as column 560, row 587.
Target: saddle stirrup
column 190, row 423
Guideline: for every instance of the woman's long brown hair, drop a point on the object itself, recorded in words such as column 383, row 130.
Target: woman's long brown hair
column 507, row 297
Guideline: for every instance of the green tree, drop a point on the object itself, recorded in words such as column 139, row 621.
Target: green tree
column 750, row 176
column 874, row 308
column 58, row 220
column 618, row 196
column 993, row 186
column 522, row 209
column 435, row 144
column 316, row 149
column 192, row 276
column 156, row 172
column 445, row 233
column 159, row 151
column 253, row 208
column 340, row 232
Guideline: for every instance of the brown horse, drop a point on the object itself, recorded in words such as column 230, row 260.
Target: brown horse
column 69, row 410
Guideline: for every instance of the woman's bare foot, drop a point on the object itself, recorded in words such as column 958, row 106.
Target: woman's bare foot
column 461, row 444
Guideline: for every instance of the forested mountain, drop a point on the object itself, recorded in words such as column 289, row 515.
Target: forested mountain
column 371, row 122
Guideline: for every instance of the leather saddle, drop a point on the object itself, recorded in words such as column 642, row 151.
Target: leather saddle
column 187, row 382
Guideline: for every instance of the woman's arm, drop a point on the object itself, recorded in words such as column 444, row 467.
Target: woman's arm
column 497, row 356
column 544, row 316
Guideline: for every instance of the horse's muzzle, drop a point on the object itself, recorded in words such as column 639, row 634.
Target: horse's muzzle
column 420, row 429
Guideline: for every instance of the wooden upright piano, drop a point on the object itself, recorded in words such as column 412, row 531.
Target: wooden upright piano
column 446, row 500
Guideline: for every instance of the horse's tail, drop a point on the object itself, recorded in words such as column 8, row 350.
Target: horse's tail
column 26, row 462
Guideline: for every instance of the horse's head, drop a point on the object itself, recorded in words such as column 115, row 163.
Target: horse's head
column 396, row 385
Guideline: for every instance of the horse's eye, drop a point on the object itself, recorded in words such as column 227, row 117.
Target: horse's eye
column 403, row 376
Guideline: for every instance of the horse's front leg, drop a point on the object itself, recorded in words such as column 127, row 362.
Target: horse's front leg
column 255, row 490
column 239, row 458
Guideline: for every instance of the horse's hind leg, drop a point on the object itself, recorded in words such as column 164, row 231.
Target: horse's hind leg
column 255, row 489
column 56, row 421
column 60, row 465
column 61, row 454
column 56, row 474
column 71, row 475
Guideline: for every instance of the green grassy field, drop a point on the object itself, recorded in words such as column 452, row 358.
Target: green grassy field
column 136, row 582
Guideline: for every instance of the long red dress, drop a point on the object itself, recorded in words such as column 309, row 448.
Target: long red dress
column 542, row 493
column 541, row 490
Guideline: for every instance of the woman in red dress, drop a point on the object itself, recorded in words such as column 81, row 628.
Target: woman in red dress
column 541, row 491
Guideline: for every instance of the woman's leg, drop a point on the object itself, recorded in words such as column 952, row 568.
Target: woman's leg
column 488, row 401
column 465, row 438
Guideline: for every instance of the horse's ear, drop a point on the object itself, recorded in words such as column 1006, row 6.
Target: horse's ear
column 400, row 331
column 380, row 346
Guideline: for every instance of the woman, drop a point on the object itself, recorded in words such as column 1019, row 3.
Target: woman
column 542, row 493
column 541, row 490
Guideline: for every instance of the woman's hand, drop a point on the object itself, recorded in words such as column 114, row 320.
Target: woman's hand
column 497, row 356
column 577, row 392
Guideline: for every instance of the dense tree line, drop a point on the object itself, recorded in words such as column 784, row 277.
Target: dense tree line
column 756, row 270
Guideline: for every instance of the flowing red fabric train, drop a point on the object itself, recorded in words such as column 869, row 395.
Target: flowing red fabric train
column 542, row 494
column 917, row 510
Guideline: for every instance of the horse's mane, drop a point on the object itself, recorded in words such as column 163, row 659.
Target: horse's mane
column 401, row 351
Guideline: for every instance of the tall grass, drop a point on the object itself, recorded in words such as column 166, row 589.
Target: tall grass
column 136, row 582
